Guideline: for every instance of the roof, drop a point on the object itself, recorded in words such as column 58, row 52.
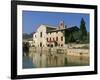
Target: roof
column 50, row 29
column 56, row 30
column 71, row 29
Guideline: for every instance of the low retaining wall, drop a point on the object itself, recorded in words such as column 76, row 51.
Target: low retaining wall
column 67, row 51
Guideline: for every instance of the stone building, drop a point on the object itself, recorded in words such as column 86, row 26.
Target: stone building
column 51, row 36
column 56, row 37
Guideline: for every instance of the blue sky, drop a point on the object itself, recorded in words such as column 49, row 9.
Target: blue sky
column 32, row 19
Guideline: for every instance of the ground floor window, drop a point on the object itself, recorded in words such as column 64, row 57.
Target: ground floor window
column 51, row 45
column 61, row 45
column 48, row 45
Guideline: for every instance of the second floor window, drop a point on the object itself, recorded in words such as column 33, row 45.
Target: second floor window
column 62, row 38
column 40, row 34
column 56, row 38
column 47, row 39
column 53, row 39
column 50, row 39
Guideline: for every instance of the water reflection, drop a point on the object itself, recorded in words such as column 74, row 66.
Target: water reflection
column 43, row 59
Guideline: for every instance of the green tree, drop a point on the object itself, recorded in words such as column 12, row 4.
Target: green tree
column 71, row 38
column 76, row 35
column 83, row 31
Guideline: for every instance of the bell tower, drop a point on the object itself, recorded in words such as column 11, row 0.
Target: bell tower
column 61, row 25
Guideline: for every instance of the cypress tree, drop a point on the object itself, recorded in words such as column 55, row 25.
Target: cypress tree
column 83, row 31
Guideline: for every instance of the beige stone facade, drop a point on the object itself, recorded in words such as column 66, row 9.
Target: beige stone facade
column 39, row 37
column 49, row 36
column 55, row 38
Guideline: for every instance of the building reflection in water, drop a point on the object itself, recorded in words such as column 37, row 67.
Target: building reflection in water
column 42, row 60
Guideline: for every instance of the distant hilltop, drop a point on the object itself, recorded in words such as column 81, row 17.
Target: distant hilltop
column 27, row 36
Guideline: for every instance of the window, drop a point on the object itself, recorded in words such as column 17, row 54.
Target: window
column 35, row 35
column 50, row 39
column 53, row 39
column 40, row 34
column 61, row 45
column 47, row 39
column 40, row 44
column 51, row 45
column 62, row 38
column 56, row 38
column 48, row 45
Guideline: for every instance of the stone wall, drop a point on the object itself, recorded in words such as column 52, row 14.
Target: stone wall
column 61, row 50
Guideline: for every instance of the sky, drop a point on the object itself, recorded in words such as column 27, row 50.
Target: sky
column 31, row 20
